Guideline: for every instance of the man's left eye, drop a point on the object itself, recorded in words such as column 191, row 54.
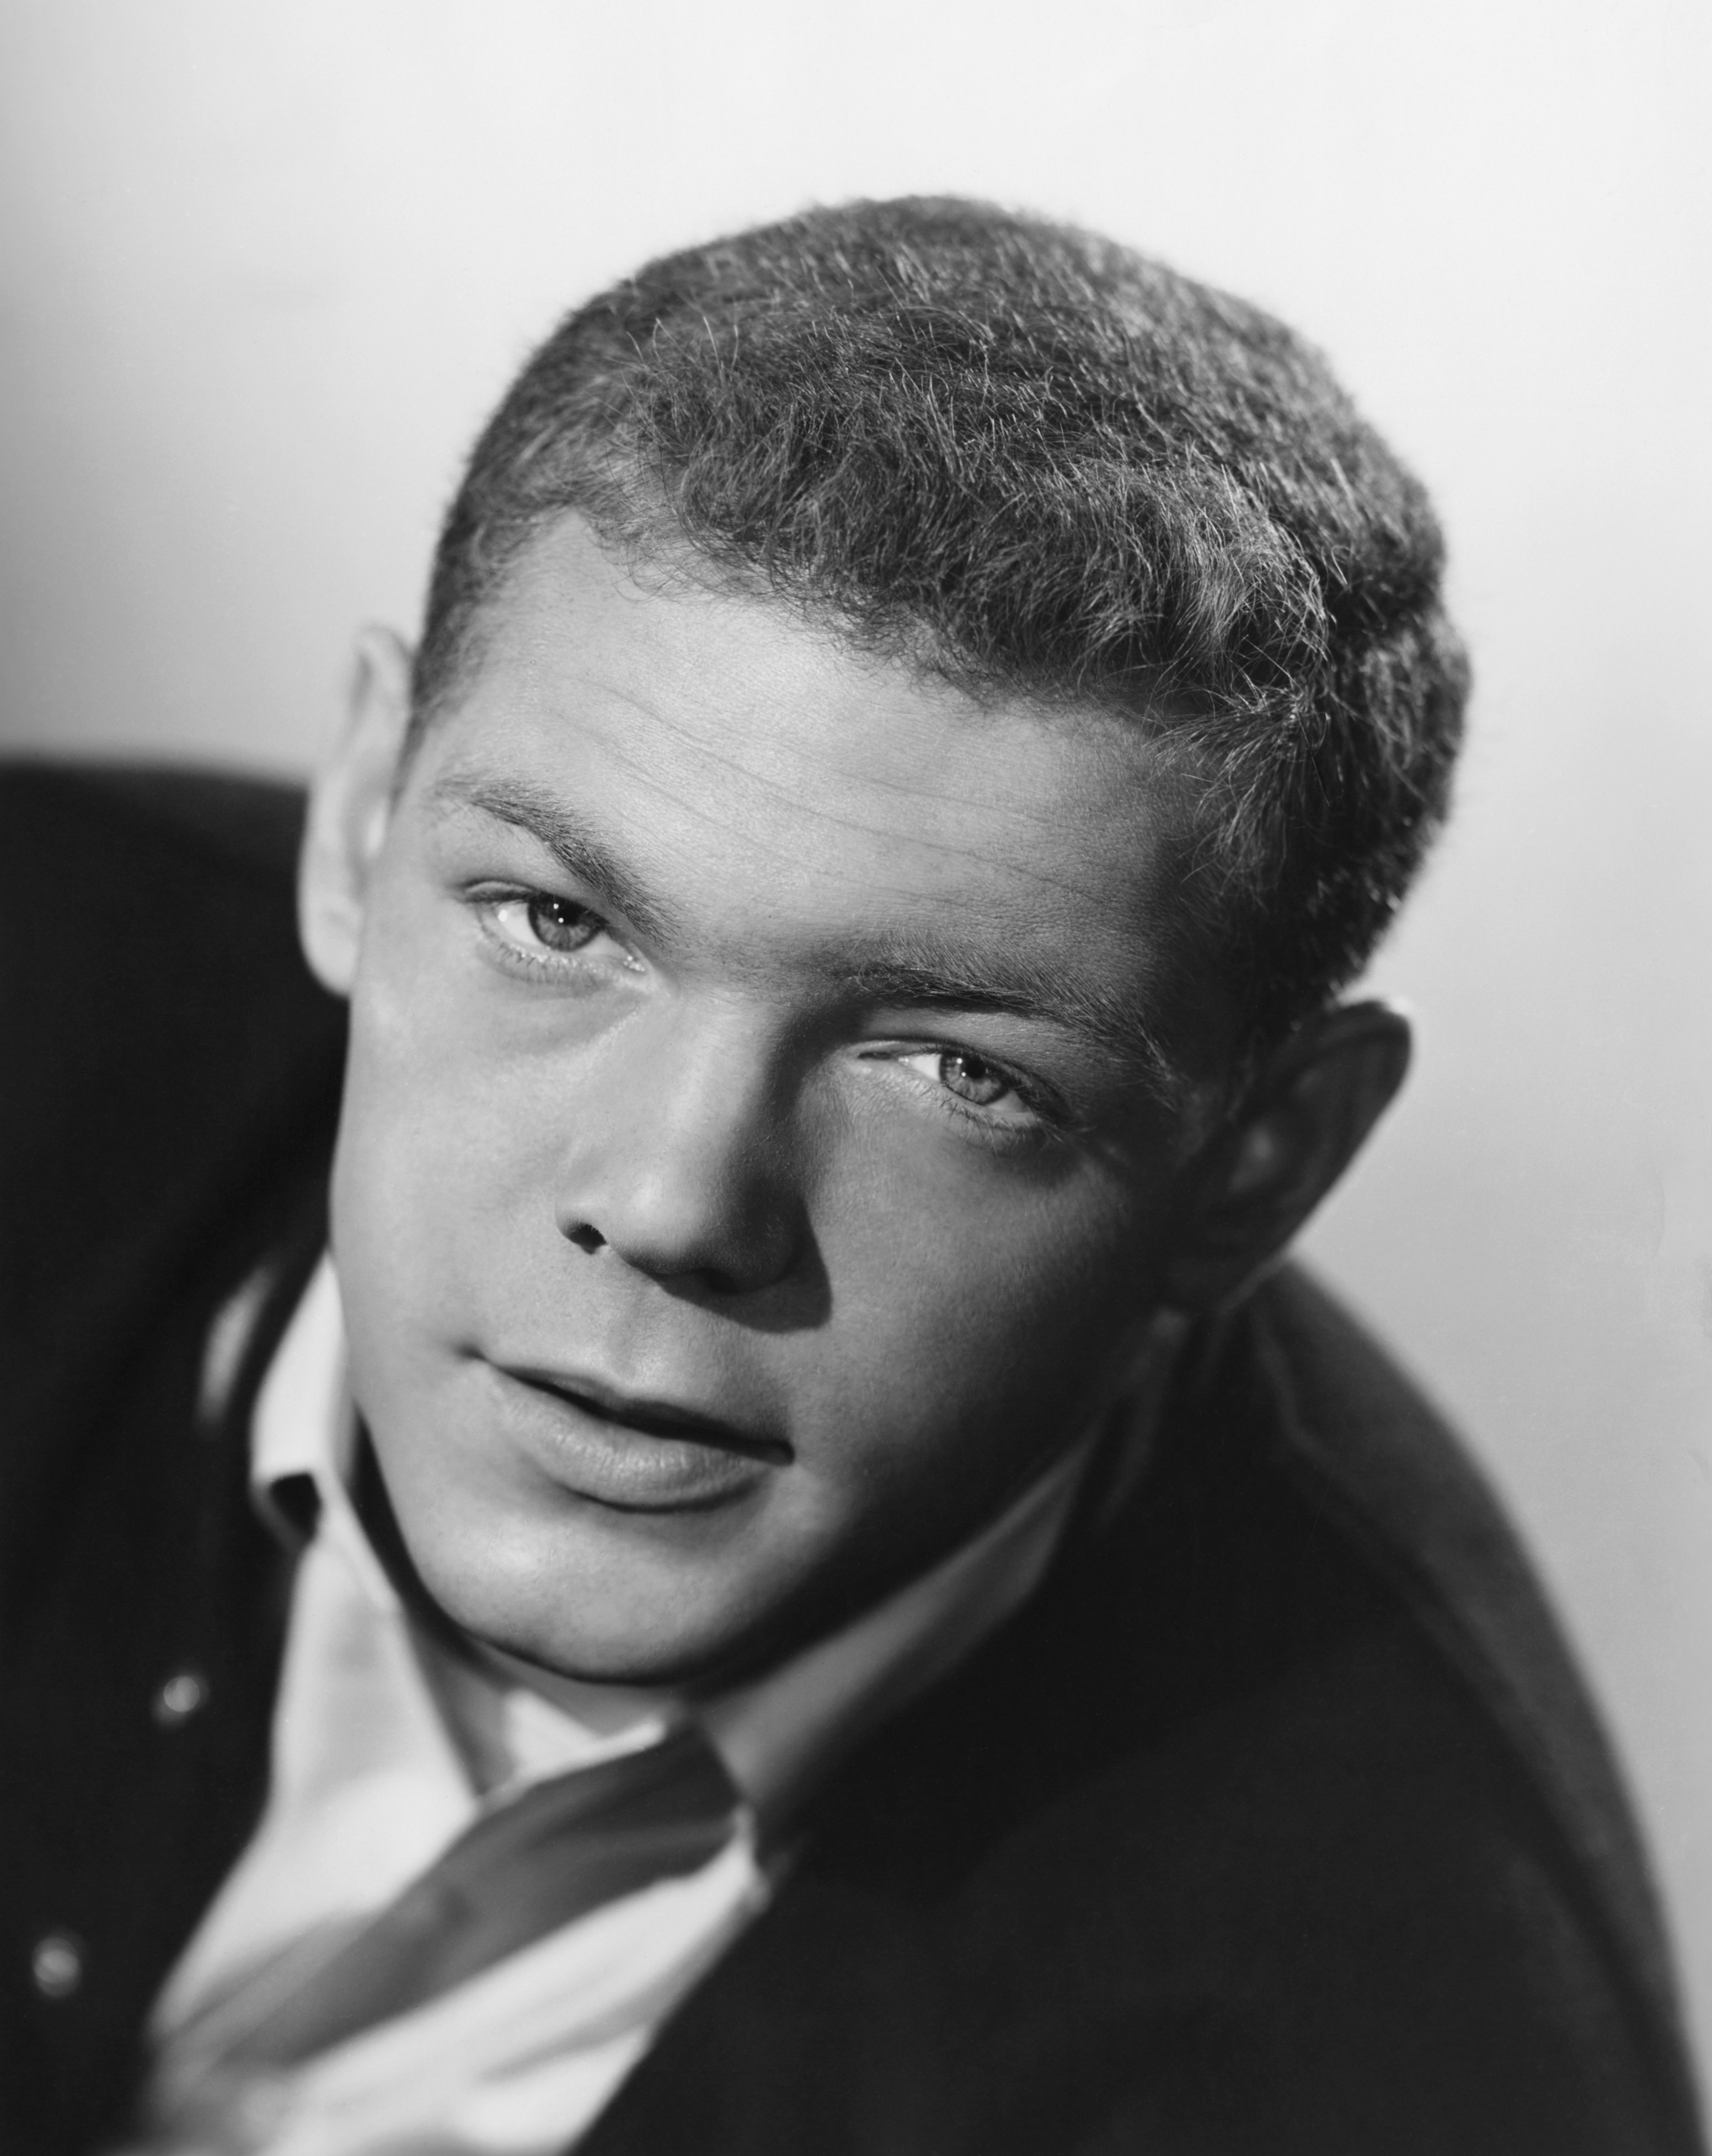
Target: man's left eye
column 969, row 1078
column 973, row 1081
column 542, row 922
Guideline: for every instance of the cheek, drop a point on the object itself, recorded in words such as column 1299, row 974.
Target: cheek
column 981, row 1314
column 433, row 1142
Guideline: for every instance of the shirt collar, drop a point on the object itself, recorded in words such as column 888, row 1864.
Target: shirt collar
column 776, row 1735
column 304, row 1430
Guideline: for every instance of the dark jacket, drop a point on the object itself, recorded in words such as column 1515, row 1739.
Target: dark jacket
column 1277, row 1822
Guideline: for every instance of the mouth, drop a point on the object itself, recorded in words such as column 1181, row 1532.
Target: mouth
column 627, row 1451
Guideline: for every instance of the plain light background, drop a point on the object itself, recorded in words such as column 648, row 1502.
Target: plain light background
column 263, row 268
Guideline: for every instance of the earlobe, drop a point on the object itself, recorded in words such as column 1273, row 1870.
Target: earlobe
column 350, row 807
column 1303, row 1123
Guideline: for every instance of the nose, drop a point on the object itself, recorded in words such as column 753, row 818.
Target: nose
column 679, row 1160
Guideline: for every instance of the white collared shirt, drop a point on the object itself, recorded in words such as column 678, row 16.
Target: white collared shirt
column 385, row 1748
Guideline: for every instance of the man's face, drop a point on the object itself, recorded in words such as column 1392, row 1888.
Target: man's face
column 744, row 1183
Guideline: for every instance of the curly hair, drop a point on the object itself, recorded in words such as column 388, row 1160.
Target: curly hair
column 1032, row 462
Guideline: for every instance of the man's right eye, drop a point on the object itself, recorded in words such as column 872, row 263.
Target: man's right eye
column 536, row 923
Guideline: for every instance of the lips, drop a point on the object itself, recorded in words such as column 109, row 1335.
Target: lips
column 629, row 1451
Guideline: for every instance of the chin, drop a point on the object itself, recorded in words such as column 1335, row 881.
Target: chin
column 653, row 1641
column 634, row 1656
column 651, row 1600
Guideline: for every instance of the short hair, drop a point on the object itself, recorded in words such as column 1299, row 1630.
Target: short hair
column 1032, row 462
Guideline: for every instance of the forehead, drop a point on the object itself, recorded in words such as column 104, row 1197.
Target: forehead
column 769, row 787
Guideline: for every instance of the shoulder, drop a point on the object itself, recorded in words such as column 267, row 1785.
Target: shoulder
column 152, row 898
column 253, row 822
column 1487, row 1818
column 168, row 1101
column 1371, row 1456
column 150, row 973
column 167, row 1052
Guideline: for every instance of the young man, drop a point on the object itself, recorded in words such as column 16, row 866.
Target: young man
column 715, row 1536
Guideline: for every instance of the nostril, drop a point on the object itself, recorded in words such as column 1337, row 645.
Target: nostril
column 675, row 1227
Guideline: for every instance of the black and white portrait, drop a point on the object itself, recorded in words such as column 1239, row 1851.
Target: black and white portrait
column 855, row 1183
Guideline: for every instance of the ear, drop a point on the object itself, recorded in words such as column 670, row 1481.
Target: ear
column 1302, row 1125
column 350, row 807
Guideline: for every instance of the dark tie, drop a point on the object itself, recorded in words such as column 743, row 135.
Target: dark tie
column 552, row 1855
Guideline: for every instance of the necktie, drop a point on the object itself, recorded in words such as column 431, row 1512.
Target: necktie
column 550, row 1856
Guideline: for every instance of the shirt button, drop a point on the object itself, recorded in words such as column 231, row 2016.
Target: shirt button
column 56, row 1964
column 180, row 1697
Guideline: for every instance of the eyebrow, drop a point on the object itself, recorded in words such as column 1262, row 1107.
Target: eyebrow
column 567, row 837
column 918, row 971
column 931, row 977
